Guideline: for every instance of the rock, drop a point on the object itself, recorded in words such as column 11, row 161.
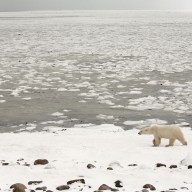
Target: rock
column 118, row 183
column 189, row 166
column 32, row 190
column 4, row 164
column 41, row 188
column 34, row 182
column 90, row 166
column 49, row 191
column 132, row 165
column 63, row 187
column 151, row 187
column 26, row 164
column 49, row 166
column 41, row 162
column 173, row 166
column 115, row 164
column 184, row 188
column 106, row 187
column 21, row 159
column 145, row 190
column 76, row 180
column 187, row 160
column 109, row 168
column 18, row 187
column 160, row 165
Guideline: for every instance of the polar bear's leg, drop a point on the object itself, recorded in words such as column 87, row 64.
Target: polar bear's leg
column 171, row 142
column 182, row 140
column 156, row 141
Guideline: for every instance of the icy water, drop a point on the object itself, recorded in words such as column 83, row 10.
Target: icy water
column 128, row 68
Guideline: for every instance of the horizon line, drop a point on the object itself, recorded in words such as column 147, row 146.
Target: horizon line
column 36, row 10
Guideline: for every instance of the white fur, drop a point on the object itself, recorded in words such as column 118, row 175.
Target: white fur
column 171, row 132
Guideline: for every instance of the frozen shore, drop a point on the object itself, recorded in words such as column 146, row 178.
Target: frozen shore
column 131, row 158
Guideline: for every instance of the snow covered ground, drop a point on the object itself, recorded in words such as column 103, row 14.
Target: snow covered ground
column 69, row 151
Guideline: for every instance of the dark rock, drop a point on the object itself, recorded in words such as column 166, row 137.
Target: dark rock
column 63, row 187
column 41, row 188
column 173, row 189
column 49, row 191
column 18, row 187
column 132, row 165
column 118, row 183
column 106, row 187
column 184, row 188
column 4, row 164
column 189, row 166
column 34, row 182
column 109, row 168
column 26, row 164
column 173, row 166
column 21, row 159
column 160, row 165
column 76, row 180
column 41, row 162
column 32, row 190
column 90, row 166
column 151, row 187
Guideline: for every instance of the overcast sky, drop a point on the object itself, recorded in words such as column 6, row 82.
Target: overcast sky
column 21, row 5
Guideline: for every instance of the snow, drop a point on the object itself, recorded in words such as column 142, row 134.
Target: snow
column 70, row 150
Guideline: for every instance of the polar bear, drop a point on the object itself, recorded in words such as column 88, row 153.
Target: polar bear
column 171, row 132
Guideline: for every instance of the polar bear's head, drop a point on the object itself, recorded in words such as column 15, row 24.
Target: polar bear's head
column 147, row 130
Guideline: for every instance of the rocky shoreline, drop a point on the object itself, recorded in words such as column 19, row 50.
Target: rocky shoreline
column 103, row 158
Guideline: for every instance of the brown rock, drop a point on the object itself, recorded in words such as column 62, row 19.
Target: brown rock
column 63, row 187
column 49, row 191
column 34, row 182
column 18, row 187
column 151, row 187
column 173, row 166
column 109, row 168
column 106, row 187
column 76, row 180
column 160, row 165
column 41, row 162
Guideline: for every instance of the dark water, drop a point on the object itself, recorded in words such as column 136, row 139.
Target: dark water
column 96, row 65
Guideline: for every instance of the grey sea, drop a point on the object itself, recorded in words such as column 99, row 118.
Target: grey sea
column 78, row 68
